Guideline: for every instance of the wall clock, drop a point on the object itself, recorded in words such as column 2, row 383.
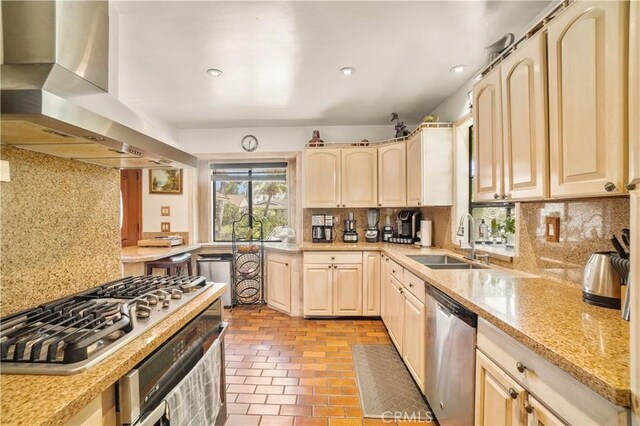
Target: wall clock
column 249, row 143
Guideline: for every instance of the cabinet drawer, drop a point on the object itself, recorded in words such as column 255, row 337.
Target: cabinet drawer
column 415, row 285
column 569, row 398
column 333, row 257
column 394, row 269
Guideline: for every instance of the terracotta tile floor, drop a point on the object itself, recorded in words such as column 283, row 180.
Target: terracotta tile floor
column 292, row 371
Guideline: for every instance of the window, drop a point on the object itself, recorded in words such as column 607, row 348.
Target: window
column 258, row 189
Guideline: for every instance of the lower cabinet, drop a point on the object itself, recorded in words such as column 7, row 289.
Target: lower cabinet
column 414, row 337
column 394, row 311
column 279, row 279
column 332, row 289
column 318, row 289
column 371, row 273
column 347, row 290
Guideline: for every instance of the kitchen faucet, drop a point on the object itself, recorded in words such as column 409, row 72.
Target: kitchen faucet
column 472, row 225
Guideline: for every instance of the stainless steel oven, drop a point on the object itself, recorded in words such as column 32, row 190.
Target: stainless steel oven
column 142, row 391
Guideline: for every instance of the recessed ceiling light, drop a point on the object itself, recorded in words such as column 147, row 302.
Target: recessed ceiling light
column 214, row 72
column 347, row 70
column 458, row 68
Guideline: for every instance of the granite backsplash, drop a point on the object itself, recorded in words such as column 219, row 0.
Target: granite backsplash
column 441, row 217
column 59, row 228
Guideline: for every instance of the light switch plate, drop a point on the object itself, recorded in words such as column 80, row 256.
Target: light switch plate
column 552, row 229
column 165, row 211
column 5, row 175
column 165, row 226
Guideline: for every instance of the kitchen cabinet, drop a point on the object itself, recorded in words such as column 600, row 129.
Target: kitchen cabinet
column 347, row 290
column 544, row 393
column 392, row 175
column 430, row 167
column 497, row 397
column 524, row 122
column 588, row 99
column 279, row 282
column 371, row 273
column 359, row 177
column 414, row 337
column 487, row 138
column 318, row 289
column 323, row 187
column 333, row 284
column 395, row 311
column 634, row 93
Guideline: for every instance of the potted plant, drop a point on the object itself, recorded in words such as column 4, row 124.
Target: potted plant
column 510, row 230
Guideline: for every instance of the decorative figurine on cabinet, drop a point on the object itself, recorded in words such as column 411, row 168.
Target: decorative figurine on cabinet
column 401, row 129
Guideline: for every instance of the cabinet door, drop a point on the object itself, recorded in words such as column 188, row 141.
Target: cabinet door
column 347, row 290
column 487, row 138
column 498, row 396
column 318, row 289
column 414, row 337
column 414, row 170
column 634, row 93
column 540, row 415
column 384, row 289
column 395, row 311
column 371, row 284
column 322, row 177
column 587, row 99
column 279, row 283
column 359, row 177
column 524, row 119
column 392, row 175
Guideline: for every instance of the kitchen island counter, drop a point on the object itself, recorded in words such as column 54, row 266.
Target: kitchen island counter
column 135, row 254
column 49, row 400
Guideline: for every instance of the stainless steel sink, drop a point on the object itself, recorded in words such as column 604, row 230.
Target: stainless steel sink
column 442, row 261
column 433, row 259
column 455, row 266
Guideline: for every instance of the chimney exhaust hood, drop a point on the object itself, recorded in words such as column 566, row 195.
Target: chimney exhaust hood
column 56, row 61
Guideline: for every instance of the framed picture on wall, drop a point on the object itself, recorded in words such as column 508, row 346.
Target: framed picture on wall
column 165, row 181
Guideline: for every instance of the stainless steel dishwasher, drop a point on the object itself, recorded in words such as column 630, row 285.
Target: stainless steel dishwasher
column 217, row 268
column 450, row 358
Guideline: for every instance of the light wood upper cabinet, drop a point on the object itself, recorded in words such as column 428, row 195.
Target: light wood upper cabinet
column 430, row 168
column 414, row 338
column 634, row 93
column 347, row 290
column 279, row 282
column 359, row 177
column 487, row 140
column 371, row 273
column 392, row 175
column 587, row 99
column 524, row 119
column 322, row 177
column 318, row 289
column 498, row 396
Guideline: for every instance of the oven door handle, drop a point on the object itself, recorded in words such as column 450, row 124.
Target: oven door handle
column 154, row 416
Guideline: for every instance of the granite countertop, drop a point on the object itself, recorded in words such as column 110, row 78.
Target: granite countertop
column 588, row 342
column 60, row 397
column 135, row 254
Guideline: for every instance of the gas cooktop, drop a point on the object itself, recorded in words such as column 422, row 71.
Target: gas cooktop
column 71, row 334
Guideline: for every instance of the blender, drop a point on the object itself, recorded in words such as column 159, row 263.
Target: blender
column 372, row 232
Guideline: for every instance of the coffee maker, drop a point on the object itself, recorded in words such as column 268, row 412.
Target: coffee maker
column 408, row 227
column 372, row 233
column 350, row 235
column 322, row 228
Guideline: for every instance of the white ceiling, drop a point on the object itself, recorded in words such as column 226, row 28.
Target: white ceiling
column 281, row 59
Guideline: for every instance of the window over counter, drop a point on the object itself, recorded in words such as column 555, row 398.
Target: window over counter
column 260, row 189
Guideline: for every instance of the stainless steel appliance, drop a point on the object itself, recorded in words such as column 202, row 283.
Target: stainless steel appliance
column 217, row 268
column 55, row 94
column 142, row 391
column 408, row 227
column 601, row 284
column 387, row 230
column 329, row 233
column 317, row 228
column 450, row 358
column 69, row 335
column 349, row 233
column 372, row 232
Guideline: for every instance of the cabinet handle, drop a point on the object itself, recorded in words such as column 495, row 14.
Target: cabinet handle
column 329, row 266
column 521, row 367
column 386, row 259
column 333, row 258
column 286, row 264
column 401, row 291
column 343, row 205
column 335, row 266
column 496, row 196
column 609, row 186
column 393, row 270
column 379, row 204
column 528, row 407
column 512, row 393
column 337, row 205
column 418, row 202
column 410, row 285
column 630, row 186
column 504, row 196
